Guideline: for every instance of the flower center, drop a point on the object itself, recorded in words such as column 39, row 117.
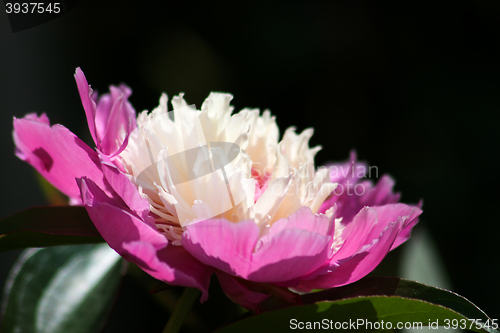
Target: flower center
column 212, row 164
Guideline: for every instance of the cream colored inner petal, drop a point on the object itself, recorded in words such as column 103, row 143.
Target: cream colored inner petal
column 157, row 161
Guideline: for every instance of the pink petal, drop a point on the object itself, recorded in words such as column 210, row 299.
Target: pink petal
column 42, row 119
column 351, row 170
column 116, row 223
column 127, row 114
column 303, row 219
column 237, row 248
column 57, row 154
column 124, row 188
column 121, row 118
column 222, row 244
column 351, row 198
column 290, row 254
column 380, row 194
column 355, row 191
column 172, row 265
column 113, row 117
column 365, row 229
column 240, row 294
column 34, row 117
column 370, row 222
column 410, row 222
column 141, row 243
column 357, row 233
column 88, row 103
column 103, row 110
column 105, row 104
column 393, row 213
column 108, row 140
column 255, row 296
column 358, row 265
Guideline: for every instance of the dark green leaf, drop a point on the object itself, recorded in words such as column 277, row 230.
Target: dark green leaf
column 47, row 226
column 61, row 289
column 391, row 286
column 357, row 314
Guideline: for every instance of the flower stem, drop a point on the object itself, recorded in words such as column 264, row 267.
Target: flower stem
column 184, row 305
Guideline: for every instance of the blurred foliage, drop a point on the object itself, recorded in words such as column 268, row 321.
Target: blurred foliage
column 61, row 289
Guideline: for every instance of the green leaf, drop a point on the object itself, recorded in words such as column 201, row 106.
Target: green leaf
column 368, row 313
column 61, row 289
column 47, row 226
column 391, row 286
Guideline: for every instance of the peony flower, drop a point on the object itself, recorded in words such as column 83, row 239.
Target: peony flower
column 208, row 191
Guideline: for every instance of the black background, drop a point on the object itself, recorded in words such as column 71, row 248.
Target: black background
column 412, row 87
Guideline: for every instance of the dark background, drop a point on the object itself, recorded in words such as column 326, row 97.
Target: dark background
column 413, row 88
